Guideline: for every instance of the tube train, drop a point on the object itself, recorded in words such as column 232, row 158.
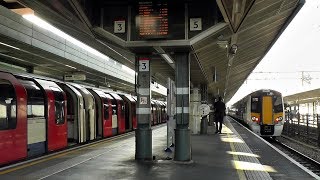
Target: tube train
column 38, row 115
column 262, row 111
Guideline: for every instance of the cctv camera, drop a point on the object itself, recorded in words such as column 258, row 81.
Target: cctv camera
column 233, row 49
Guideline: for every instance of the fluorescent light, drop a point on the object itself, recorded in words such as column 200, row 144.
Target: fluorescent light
column 43, row 24
column 167, row 58
column 70, row 66
column 129, row 70
column 9, row 46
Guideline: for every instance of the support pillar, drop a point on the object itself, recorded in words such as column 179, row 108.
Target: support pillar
column 204, row 93
column 143, row 131
column 182, row 132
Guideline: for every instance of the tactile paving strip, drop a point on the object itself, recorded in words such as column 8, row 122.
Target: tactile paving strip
column 251, row 160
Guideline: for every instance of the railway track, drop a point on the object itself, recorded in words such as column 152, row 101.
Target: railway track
column 301, row 158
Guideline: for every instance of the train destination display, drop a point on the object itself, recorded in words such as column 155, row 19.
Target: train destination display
column 152, row 21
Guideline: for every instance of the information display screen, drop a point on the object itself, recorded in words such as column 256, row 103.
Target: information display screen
column 152, row 20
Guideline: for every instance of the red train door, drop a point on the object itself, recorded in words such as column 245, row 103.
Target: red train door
column 134, row 115
column 120, row 111
column 13, row 119
column 56, row 115
column 107, row 106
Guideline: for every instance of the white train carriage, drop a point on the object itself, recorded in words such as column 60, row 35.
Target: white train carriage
column 262, row 111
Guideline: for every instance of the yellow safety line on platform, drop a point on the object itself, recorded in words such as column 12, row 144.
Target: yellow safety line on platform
column 240, row 172
column 62, row 154
column 70, row 151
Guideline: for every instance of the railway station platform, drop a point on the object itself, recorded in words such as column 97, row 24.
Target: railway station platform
column 234, row 154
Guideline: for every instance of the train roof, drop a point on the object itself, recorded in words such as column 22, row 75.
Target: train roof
column 259, row 92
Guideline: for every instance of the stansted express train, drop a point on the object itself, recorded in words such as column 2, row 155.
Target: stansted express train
column 40, row 115
column 262, row 111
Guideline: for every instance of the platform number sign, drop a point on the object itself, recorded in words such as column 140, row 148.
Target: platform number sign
column 195, row 24
column 143, row 65
column 120, row 26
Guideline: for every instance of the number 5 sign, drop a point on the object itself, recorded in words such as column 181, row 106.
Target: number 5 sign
column 143, row 64
column 195, row 24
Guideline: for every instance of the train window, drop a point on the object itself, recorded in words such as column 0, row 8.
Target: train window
column 114, row 107
column 8, row 106
column 255, row 104
column 35, row 102
column 122, row 109
column 277, row 103
column 106, row 111
column 59, row 105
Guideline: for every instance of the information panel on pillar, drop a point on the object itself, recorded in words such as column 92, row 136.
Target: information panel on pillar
column 152, row 20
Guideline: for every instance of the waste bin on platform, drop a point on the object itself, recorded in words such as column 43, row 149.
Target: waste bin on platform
column 204, row 125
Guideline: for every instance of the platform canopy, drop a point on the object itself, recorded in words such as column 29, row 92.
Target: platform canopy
column 226, row 38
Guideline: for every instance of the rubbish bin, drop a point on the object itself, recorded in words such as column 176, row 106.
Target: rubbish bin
column 204, row 125
column 211, row 119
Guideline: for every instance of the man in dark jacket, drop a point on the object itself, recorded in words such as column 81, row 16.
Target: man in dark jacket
column 219, row 112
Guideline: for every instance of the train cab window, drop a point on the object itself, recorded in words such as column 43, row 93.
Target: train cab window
column 255, row 104
column 8, row 106
column 59, row 105
column 106, row 111
column 277, row 103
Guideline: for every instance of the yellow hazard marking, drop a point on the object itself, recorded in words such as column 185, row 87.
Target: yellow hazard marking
column 240, row 172
column 62, row 154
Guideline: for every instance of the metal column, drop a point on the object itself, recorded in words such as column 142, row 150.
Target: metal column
column 182, row 132
column 204, row 93
column 143, row 131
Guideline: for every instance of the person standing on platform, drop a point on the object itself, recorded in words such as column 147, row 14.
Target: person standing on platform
column 219, row 113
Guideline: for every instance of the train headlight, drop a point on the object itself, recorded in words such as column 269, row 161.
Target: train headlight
column 280, row 118
column 255, row 119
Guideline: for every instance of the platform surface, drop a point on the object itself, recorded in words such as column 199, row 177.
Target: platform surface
column 214, row 156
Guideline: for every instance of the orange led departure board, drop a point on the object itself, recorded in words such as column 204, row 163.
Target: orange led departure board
column 152, row 19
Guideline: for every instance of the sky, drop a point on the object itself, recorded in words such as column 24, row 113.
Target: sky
column 293, row 63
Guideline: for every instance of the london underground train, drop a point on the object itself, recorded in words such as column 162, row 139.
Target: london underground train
column 40, row 115
column 262, row 111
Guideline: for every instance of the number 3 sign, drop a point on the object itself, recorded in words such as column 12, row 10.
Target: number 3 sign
column 120, row 26
column 143, row 65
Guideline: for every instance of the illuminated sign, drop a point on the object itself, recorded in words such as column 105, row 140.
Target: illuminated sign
column 152, row 20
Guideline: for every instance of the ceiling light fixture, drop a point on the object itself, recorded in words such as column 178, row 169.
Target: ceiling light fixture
column 43, row 24
column 167, row 58
column 9, row 46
